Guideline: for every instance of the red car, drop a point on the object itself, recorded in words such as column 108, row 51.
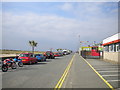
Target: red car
column 28, row 58
column 56, row 54
column 49, row 55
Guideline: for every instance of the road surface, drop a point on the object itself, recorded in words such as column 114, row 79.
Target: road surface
column 48, row 74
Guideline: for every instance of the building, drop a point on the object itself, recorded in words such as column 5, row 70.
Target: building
column 112, row 48
column 91, row 52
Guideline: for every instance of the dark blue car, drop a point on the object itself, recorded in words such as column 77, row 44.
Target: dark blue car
column 40, row 57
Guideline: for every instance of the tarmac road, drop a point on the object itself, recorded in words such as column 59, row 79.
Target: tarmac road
column 47, row 74
column 41, row 75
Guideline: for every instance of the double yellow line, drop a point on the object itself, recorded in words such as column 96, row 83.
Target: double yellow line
column 60, row 82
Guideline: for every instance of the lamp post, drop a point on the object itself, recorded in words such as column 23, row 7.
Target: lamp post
column 79, row 45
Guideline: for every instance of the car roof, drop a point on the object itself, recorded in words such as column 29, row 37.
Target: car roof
column 38, row 54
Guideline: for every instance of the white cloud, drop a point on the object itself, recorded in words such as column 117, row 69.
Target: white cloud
column 66, row 6
column 54, row 31
column 60, row 31
column 91, row 10
column 60, row 0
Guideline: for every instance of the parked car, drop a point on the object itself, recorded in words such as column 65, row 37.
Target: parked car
column 56, row 54
column 60, row 53
column 65, row 52
column 40, row 57
column 28, row 58
column 49, row 55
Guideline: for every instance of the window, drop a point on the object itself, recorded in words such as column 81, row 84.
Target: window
column 114, row 47
column 41, row 55
column 31, row 55
column 24, row 55
column 106, row 48
column 117, row 47
column 111, row 48
column 36, row 55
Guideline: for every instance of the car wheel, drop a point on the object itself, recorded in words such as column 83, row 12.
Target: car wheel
column 36, row 62
column 30, row 63
column 53, row 57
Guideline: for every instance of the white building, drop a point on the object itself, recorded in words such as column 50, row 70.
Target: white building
column 112, row 48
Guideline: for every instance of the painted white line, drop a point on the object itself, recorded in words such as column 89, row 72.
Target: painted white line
column 108, row 71
column 107, row 67
column 113, row 80
column 110, row 75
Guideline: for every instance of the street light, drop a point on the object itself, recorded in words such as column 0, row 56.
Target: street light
column 79, row 45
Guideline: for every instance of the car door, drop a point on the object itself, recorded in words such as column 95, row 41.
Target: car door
column 31, row 58
column 34, row 59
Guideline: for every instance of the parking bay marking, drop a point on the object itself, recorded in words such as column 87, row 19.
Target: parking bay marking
column 113, row 80
column 110, row 75
column 109, row 67
column 108, row 71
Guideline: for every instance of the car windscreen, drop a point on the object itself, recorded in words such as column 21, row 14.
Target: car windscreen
column 37, row 55
column 41, row 54
column 48, row 53
column 24, row 55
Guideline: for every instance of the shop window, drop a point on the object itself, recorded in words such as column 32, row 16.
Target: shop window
column 106, row 48
column 114, row 47
column 118, row 47
column 111, row 48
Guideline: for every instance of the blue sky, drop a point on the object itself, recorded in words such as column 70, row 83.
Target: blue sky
column 55, row 8
column 36, row 7
column 57, row 24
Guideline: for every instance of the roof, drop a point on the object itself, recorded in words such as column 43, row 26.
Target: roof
column 112, row 39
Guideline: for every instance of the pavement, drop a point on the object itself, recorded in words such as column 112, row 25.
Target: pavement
column 109, row 71
column 47, row 74
column 82, row 76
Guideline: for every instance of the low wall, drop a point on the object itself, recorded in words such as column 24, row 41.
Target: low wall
column 5, row 56
column 112, row 56
column 8, row 55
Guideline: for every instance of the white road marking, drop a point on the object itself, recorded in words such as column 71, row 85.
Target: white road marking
column 113, row 80
column 110, row 75
column 107, row 68
column 108, row 71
